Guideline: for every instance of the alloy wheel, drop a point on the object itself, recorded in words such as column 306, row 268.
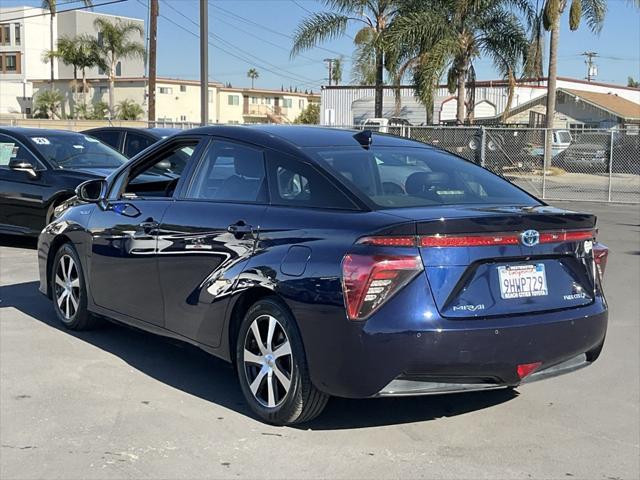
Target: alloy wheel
column 67, row 286
column 268, row 361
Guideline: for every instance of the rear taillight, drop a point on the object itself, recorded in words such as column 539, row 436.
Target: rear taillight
column 368, row 281
column 600, row 256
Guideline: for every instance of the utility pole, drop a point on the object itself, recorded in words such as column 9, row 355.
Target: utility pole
column 329, row 62
column 592, row 68
column 204, row 62
column 153, row 54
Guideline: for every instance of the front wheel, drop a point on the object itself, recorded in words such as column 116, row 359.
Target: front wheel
column 272, row 366
column 69, row 290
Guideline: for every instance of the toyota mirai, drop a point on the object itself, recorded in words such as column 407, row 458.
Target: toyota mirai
column 328, row 262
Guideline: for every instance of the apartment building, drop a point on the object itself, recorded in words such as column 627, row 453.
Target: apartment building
column 25, row 35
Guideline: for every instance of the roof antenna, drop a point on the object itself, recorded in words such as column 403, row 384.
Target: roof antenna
column 364, row 138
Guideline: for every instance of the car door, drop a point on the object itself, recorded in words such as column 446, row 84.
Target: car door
column 208, row 234
column 23, row 196
column 135, row 142
column 124, row 266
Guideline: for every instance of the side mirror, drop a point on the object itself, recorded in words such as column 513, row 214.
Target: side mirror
column 92, row 191
column 23, row 166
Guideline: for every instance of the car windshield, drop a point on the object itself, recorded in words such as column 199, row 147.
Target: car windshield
column 395, row 177
column 563, row 137
column 75, row 150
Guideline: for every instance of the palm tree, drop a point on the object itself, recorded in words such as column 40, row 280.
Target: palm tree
column 253, row 74
column 115, row 45
column 129, row 110
column 336, row 71
column 593, row 11
column 76, row 51
column 52, row 6
column 47, row 103
column 374, row 17
column 437, row 37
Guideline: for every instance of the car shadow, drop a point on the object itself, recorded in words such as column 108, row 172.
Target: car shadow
column 16, row 241
column 187, row 368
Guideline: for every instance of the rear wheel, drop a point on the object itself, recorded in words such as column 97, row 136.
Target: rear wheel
column 69, row 290
column 272, row 367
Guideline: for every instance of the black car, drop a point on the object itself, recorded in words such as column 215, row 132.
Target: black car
column 130, row 141
column 332, row 262
column 40, row 169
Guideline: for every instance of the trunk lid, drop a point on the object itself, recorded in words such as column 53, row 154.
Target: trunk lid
column 478, row 265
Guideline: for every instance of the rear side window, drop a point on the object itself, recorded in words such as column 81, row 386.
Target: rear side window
column 11, row 150
column 110, row 137
column 230, row 172
column 395, row 177
column 134, row 143
column 294, row 183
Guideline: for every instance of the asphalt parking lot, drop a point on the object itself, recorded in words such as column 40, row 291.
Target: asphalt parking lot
column 118, row 403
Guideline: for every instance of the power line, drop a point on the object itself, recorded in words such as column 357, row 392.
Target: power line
column 291, row 75
column 256, row 24
column 24, row 9
column 233, row 54
column 63, row 11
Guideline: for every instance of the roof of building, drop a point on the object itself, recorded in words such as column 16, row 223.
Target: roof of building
column 615, row 105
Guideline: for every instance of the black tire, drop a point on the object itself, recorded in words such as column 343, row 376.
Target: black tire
column 302, row 401
column 71, row 316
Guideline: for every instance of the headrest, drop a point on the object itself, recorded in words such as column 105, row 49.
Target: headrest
column 251, row 167
column 420, row 182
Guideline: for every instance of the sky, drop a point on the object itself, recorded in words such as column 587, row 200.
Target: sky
column 257, row 34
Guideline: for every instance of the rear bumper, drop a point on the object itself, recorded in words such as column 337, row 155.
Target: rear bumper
column 412, row 387
column 406, row 349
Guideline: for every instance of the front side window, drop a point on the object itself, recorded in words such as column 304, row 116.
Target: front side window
column 393, row 177
column 159, row 177
column 75, row 151
column 11, row 150
column 230, row 172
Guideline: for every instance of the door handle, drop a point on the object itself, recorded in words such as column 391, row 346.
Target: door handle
column 149, row 225
column 240, row 229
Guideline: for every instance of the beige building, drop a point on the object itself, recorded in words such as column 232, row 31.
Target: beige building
column 178, row 101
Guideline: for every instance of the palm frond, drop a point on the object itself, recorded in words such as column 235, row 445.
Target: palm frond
column 594, row 11
column 316, row 29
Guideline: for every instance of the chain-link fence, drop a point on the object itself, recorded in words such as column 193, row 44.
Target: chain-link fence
column 593, row 165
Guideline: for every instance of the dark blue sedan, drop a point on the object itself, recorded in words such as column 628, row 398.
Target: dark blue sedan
column 332, row 262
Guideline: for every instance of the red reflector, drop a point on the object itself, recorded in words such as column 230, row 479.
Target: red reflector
column 527, row 369
column 600, row 256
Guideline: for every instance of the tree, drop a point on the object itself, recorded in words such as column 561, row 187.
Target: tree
column 52, row 6
column 115, row 46
column 100, row 111
column 433, row 38
column 374, row 17
column 632, row 83
column 310, row 115
column 253, row 74
column 47, row 103
column 79, row 52
column 593, row 11
column 129, row 110
column 336, row 71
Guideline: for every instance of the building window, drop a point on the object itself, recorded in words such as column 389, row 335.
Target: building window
column 119, row 69
column 166, row 90
column 254, row 100
column 183, row 88
column 101, row 71
column 103, row 90
column 100, row 39
column 210, row 97
column 5, row 34
column 287, row 102
column 301, row 104
column 233, row 99
column 16, row 33
column 183, row 118
column 268, row 100
column 10, row 62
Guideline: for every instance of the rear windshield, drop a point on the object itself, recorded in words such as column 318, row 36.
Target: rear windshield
column 395, row 177
column 75, row 150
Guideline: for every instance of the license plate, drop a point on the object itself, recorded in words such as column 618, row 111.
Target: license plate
column 518, row 281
